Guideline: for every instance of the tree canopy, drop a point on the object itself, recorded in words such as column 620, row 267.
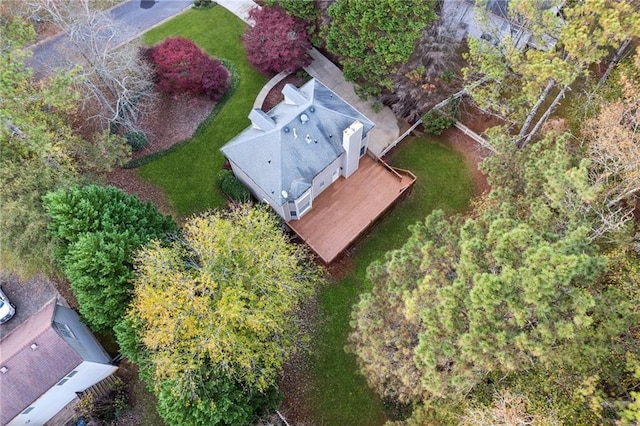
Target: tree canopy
column 221, row 299
column 41, row 151
column 276, row 42
column 516, row 288
column 111, row 81
column 518, row 81
column 97, row 230
column 373, row 39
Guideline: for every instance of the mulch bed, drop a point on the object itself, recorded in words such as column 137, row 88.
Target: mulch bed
column 170, row 119
column 275, row 96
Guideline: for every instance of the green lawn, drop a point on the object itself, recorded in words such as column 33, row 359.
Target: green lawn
column 341, row 396
column 187, row 174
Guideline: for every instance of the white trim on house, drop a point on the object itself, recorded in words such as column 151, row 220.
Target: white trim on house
column 59, row 395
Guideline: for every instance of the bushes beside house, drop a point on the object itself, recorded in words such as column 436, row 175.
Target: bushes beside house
column 232, row 187
column 182, row 67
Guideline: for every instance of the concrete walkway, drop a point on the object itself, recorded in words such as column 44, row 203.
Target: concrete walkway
column 240, row 8
column 386, row 129
column 264, row 92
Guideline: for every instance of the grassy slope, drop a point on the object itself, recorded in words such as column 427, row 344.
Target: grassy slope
column 187, row 174
column 341, row 394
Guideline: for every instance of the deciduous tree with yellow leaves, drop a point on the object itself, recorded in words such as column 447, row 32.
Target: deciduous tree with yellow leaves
column 221, row 299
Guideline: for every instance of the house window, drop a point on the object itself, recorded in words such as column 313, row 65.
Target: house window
column 73, row 373
column 306, row 206
column 321, row 184
column 63, row 330
column 28, row 410
column 62, row 382
column 293, row 213
column 303, row 204
column 363, row 150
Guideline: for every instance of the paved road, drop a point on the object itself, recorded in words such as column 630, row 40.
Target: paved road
column 133, row 18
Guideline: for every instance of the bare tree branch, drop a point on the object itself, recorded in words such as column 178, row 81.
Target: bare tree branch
column 114, row 78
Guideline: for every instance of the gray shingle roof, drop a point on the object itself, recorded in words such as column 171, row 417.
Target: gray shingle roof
column 306, row 138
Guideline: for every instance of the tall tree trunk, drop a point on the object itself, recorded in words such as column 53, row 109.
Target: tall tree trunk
column 525, row 127
column 545, row 116
column 618, row 56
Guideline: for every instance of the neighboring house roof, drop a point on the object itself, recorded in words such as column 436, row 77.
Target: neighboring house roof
column 287, row 147
column 459, row 16
column 32, row 370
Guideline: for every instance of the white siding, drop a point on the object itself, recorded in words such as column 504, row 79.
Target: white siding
column 48, row 405
column 325, row 177
column 304, row 203
column 351, row 142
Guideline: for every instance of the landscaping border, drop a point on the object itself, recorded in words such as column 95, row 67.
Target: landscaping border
column 233, row 86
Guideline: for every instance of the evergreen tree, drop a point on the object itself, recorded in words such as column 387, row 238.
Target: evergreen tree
column 519, row 289
column 374, row 38
column 96, row 231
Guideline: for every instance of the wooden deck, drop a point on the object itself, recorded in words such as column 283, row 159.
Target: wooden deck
column 349, row 206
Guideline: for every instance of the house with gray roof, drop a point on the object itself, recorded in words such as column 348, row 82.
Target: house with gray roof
column 44, row 362
column 490, row 20
column 291, row 154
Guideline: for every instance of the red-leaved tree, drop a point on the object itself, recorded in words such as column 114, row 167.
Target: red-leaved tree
column 182, row 67
column 277, row 42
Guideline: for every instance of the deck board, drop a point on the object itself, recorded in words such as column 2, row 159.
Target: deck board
column 348, row 207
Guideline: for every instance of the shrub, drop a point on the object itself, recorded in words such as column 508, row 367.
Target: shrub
column 182, row 67
column 136, row 139
column 203, row 4
column 435, row 123
column 277, row 42
column 232, row 187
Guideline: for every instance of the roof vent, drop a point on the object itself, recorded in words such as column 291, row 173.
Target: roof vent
column 34, row 346
column 312, row 109
column 284, row 194
column 308, row 139
column 3, row 370
column 286, row 129
column 304, row 118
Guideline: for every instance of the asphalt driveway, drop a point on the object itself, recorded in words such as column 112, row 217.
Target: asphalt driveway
column 28, row 296
column 135, row 17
